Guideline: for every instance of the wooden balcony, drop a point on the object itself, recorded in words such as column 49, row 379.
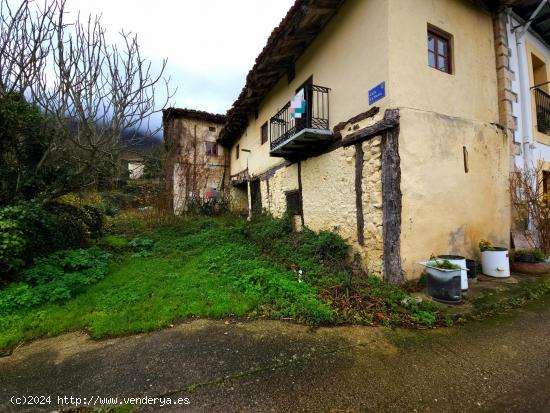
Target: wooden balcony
column 300, row 137
column 542, row 100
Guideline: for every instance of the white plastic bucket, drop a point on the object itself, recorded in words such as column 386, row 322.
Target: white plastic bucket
column 495, row 263
column 461, row 262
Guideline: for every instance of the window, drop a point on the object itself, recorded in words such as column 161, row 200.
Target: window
column 211, row 148
column 293, row 202
column 237, row 150
column 439, row 50
column 545, row 184
column 541, row 94
column 212, row 128
column 264, row 133
column 540, row 75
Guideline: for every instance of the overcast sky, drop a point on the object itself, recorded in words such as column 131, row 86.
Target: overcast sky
column 210, row 44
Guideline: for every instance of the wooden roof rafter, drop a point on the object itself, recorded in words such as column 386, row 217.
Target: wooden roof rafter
column 287, row 42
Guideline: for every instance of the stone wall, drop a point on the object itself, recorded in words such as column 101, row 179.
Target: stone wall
column 329, row 197
column 238, row 199
column 329, row 193
column 279, row 182
column 373, row 250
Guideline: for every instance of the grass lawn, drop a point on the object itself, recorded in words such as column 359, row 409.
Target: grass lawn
column 201, row 267
column 215, row 268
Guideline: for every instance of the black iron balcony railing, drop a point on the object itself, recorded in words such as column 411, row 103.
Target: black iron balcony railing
column 283, row 125
column 542, row 101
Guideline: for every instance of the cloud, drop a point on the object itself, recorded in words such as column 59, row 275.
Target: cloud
column 210, row 44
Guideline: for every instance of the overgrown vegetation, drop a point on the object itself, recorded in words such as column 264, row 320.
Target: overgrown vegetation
column 322, row 259
column 56, row 278
column 30, row 229
column 528, row 255
column 146, row 274
column 199, row 267
column 531, row 206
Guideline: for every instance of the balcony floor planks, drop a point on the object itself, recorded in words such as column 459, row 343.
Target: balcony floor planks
column 303, row 143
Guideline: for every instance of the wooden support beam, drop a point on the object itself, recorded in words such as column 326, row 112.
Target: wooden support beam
column 357, row 118
column 300, row 192
column 391, row 120
column 359, row 193
column 391, row 199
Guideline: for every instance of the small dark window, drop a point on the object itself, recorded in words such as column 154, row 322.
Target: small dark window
column 212, row 128
column 545, row 184
column 211, row 148
column 264, row 133
column 439, row 50
column 293, row 202
column 237, row 150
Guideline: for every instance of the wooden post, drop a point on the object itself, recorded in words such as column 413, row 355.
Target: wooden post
column 359, row 193
column 391, row 202
column 300, row 192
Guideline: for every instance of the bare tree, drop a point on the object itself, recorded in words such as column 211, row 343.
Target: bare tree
column 26, row 37
column 531, row 205
column 89, row 90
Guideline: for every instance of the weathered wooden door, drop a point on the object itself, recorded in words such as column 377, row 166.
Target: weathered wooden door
column 255, row 197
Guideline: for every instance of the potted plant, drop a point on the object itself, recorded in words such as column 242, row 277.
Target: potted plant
column 444, row 280
column 530, row 261
column 494, row 260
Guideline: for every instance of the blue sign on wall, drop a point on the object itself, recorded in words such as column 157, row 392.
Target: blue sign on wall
column 377, row 93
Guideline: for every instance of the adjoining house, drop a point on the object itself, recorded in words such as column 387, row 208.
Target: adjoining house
column 380, row 120
column 524, row 69
column 134, row 163
column 526, row 66
column 195, row 168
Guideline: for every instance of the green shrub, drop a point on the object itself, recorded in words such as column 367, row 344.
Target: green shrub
column 326, row 246
column 55, row 278
column 12, row 246
column 27, row 230
column 265, row 229
column 141, row 244
column 529, row 255
column 76, row 224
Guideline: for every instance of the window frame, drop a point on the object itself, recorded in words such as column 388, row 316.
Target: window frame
column 447, row 39
column 264, row 139
column 213, row 145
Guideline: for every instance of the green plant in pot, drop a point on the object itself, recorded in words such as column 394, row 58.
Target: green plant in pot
column 494, row 260
column 530, row 261
column 443, row 280
column 442, row 264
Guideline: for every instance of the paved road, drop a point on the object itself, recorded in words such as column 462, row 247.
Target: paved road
column 502, row 365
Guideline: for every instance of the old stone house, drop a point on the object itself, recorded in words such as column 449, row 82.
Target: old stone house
column 381, row 120
column 195, row 168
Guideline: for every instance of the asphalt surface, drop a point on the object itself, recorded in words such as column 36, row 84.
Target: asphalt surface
column 501, row 365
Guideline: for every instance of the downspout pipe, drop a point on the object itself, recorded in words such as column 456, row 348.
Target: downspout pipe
column 524, row 100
